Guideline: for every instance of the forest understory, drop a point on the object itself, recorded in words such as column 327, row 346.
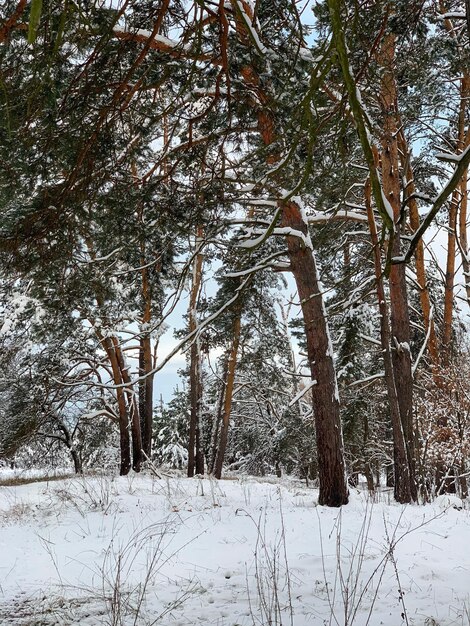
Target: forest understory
column 234, row 302
column 137, row 550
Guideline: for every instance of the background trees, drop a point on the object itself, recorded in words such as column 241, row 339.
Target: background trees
column 151, row 152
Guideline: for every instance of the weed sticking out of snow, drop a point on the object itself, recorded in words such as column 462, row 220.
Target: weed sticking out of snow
column 141, row 550
column 129, row 575
column 88, row 494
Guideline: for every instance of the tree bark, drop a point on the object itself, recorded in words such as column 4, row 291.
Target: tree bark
column 77, row 461
column 217, row 421
column 400, row 322
column 124, row 435
column 134, row 417
column 459, row 198
column 229, row 384
column 331, row 468
column 424, row 298
column 145, row 351
column 146, row 394
column 456, row 217
column 325, row 398
column 195, row 453
column 463, row 235
column 402, row 484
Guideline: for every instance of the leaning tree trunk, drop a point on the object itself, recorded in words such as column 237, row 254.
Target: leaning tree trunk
column 402, row 484
column 229, row 384
column 325, row 398
column 124, row 435
column 137, row 456
column 109, row 347
column 400, row 322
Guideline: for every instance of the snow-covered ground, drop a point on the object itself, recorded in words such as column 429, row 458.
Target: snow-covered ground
column 138, row 550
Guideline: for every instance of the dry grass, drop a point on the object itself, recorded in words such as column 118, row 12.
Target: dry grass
column 16, row 481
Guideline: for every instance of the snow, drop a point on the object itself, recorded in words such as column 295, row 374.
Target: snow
column 452, row 15
column 15, row 307
column 453, row 158
column 387, row 205
column 242, row 551
column 302, row 392
column 339, row 214
column 250, row 27
column 147, row 34
column 306, row 55
column 448, row 500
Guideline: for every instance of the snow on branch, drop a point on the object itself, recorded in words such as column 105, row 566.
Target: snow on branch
column 425, row 343
column 452, row 15
column 291, row 232
column 450, row 157
column 159, row 42
column 264, row 264
column 369, row 379
column 252, row 244
column 249, row 26
column 189, row 338
column 343, row 214
column 462, row 161
column 302, row 392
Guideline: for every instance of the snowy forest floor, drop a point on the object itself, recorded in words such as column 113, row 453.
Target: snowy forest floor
column 136, row 550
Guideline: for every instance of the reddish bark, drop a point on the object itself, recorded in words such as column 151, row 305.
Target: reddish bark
column 331, row 466
column 333, row 484
column 134, row 417
column 228, row 395
column 399, row 316
column 424, row 298
column 402, row 485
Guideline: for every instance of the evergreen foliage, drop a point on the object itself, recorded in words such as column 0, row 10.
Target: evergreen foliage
column 140, row 141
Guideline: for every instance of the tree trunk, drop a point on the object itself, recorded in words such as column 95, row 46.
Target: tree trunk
column 400, row 323
column 449, row 281
column 459, row 200
column 195, row 454
column 463, row 235
column 124, row 436
column 108, row 346
column 419, row 256
column 137, row 456
column 146, row 394
column 402, row 484
column 68, row 439
column 325, row 398
column 217, row 421
column 77, row 462
column 145, row 359
column 228, row 394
